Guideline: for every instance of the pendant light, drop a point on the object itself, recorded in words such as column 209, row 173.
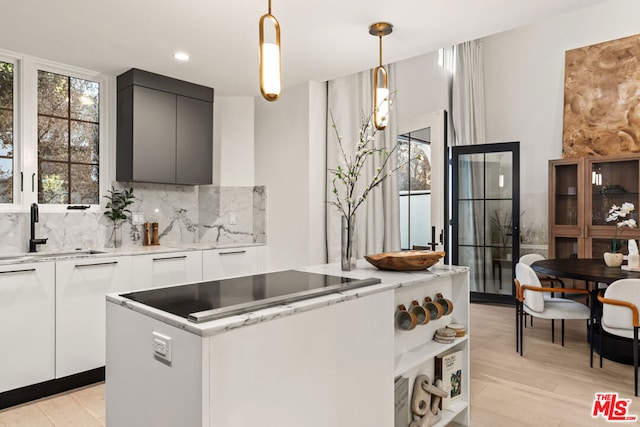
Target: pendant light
column 380, row 81
column 270, row 64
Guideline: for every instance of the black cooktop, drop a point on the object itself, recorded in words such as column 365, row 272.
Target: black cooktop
column 204, row 301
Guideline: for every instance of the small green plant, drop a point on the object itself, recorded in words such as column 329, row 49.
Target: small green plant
column 117, row 206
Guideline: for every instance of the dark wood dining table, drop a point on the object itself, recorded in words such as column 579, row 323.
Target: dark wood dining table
column 593, row 271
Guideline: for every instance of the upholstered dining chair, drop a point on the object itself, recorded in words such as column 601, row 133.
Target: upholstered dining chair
column 620, row 303
column 530, row 300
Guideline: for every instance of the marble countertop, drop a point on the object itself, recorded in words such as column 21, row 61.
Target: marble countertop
column 389, row 280
column 42, row 256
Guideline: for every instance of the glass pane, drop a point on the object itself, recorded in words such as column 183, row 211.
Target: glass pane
column 471, row 176
column 53, row 94
column 566, row 247
column 420, row 219
column 600, row 246
column 54, row 183
column 403, row 158
column 420, row 166
column 472, row 257
column 499, row 181
column 471, row 227
column 404, row 221
column 6, row 133
column 84, row 184
column 498, row 272
column 613, row 183
column 84, row 100
column 84, row 142
column 6, row 180
column 499, row 227
column 53, row 141
column 6, row 85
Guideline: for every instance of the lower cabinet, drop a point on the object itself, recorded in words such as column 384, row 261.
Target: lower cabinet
column 232, row 262
column 81, row 286
column 155, row 270
column 27, row 332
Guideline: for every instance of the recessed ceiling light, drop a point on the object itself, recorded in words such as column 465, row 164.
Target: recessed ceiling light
column 181, row 56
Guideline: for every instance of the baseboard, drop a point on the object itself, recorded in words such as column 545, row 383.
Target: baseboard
column 49, row 388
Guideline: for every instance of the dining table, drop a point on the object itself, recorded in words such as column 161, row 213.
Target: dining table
column 596, row 275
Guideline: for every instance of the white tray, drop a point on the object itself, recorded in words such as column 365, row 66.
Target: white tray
column 627, row 268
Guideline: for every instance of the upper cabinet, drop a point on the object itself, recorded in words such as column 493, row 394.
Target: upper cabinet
column 165, row 130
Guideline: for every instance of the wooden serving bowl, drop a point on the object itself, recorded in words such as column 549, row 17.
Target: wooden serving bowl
column 405, row 260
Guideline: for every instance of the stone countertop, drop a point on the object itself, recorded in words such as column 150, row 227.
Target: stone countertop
column 42, row 256
column 389, row 280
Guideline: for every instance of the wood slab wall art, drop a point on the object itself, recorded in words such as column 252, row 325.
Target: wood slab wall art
column 602, row 99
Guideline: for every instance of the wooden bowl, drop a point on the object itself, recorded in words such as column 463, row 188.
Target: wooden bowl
column 404, row 260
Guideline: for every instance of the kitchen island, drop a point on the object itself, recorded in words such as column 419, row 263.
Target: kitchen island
column 317, row 359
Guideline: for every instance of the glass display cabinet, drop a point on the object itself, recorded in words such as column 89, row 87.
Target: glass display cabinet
column 581, row 193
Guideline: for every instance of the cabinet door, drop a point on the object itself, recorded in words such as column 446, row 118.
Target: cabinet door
column 154, row 135
column 224, row 263
column 151, row 271
column 194, row 151
column 81, row 286
column 27, row 324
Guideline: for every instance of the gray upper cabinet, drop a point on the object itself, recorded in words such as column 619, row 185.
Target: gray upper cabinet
column 165, row 130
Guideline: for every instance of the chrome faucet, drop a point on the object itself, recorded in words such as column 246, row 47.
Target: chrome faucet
column 34, row 218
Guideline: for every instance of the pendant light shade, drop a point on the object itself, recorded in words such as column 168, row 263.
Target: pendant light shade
column 380, row 80
column 270, row 63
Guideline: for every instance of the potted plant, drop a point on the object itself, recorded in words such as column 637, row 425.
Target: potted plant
column 622, row 216
column 117, row 209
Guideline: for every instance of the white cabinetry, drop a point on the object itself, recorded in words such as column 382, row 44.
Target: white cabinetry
column 27, row 298
column 415, row 350
column 81, row 286
column 155, row 270
column 232, row 262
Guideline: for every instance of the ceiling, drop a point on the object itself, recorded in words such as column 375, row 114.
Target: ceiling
column 321, row 39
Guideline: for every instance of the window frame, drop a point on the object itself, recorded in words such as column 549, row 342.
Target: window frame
column 26, row 130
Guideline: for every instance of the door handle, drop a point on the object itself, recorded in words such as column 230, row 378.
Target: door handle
column 27, row 270
column 232, row 252
column 170, row 258
column 96, row 264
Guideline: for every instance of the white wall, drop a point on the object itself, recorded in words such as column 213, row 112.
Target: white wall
column 524, row 84
column 290, row 162
column 233, row 140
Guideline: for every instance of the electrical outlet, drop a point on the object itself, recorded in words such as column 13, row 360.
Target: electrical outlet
column 137, row 218
column 161, row 347
column 232, row 218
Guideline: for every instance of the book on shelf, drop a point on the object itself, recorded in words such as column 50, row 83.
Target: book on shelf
column 448, row 368
column 401, row 402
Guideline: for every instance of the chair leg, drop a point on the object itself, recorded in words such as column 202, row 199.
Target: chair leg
column 635, row 360
column 590, row 331
column 562, row 322
column 600, row 340
column 517, row 326
column 521, row 330
column 553, row 331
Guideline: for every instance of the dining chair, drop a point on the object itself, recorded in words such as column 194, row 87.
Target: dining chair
column 620, row 302
column 530, row 300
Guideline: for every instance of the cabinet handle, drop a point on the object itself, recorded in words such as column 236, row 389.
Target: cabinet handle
column 33, row 182
column 97, row 264
column 232, row 252
column 170, row 258
column 21, row 181
column 28, row 270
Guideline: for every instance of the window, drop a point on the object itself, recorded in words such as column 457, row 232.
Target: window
column 415, row 188
column 68, row 139
column 6, row 131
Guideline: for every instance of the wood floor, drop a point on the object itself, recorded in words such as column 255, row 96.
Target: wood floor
column 550, row 386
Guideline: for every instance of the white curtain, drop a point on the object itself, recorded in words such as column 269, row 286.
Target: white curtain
column 350, row 99
column 468, row 94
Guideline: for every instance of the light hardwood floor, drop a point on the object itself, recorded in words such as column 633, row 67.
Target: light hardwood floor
column 550, row 386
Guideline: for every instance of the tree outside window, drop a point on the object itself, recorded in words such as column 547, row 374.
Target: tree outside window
column 6, row 132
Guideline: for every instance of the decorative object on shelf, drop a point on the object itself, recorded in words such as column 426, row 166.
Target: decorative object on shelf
column 425, row 401
column 270, row 61
column 401, row 418
column 117, row 209
column 380, row 85
column 347, row 201
column 435, row 310
column 633, row 259
column 405, row 260
column 460, row 330
column 622, row 216
column 421, row 313
column 448, row 368
column 447, row 304
column 444, row 336
column 405, row 320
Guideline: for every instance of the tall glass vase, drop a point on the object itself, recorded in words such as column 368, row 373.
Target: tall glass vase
column 114, row 235
column 348, row 248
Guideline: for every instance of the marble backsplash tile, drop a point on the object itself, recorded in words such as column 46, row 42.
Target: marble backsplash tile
column 184, row 214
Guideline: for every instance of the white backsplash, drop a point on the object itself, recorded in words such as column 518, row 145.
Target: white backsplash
column 185, row 214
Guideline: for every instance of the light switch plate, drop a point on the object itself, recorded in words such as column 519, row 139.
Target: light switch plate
column 137, row 218
column 161, row 345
